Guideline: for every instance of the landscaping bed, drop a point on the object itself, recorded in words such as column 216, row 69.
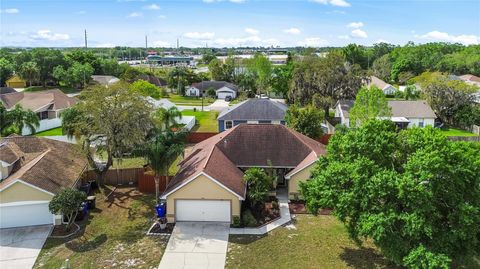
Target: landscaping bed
column 255, row 218
column 298, row 207
column 155, row 229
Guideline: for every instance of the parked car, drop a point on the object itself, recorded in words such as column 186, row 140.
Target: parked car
column 228, row 98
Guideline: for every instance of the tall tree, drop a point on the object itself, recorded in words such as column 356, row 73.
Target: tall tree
column 30, row 72
column 330, row 77
column 167, row 119
column 6, row 70
column 77, row 75
column 414, row 193
column 382, row 67
column 146, row 88
column 370, row 103
column 161, row 151
column 113, row 120
column 307, row 120
column 445, row 96
column 262, row 69
column 46, row 60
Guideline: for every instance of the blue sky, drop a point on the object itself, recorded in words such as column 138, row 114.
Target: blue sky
column 227, row 23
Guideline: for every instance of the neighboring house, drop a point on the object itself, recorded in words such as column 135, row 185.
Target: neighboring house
column 4, row 90
column 16, row 82
column 406, row 114
column 252, row 111
column 32, row 171
column 470, row 79
column 382, row 85
column 222, row 89
column 209, row 185
column 47, row 104
column 105, row 80
column 188, row 122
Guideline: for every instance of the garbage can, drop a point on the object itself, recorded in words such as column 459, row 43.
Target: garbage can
column 91, row 202
column 160, row 208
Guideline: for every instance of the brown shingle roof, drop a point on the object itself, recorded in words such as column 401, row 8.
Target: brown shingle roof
column 246, row 145
column 38, row 101
column 49, row 164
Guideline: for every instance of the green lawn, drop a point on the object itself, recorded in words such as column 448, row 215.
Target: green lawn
column 113, row 236
column 318, row 242
column 64, row 89
column 206, row 120
column 51, row 132
column 189, row 101
column 456, row 132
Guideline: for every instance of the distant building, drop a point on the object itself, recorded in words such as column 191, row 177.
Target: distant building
column 16, row 82
column 222, row 89
column 169, row 60
column 382, row 85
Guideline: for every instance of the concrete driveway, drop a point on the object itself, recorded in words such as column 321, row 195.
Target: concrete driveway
column 196, row 245
column 19, row 247
column 219, row 105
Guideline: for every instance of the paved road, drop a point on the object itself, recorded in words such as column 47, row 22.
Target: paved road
column 199, row 245
column 19, row 247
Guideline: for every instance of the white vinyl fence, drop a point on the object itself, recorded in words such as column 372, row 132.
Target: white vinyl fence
column 188, row 121
column 46, row 124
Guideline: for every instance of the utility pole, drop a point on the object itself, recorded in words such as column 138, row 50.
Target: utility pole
column 86, row 39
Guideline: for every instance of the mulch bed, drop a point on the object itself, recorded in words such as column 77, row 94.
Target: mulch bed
column 156, row 229
column 268, row 214
column 298, row 207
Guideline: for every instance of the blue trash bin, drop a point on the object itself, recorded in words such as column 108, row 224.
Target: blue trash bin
column 160, row 208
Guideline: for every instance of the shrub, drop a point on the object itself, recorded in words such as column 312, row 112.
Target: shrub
column 275, row 205
column 248, row 219
column 236, row 222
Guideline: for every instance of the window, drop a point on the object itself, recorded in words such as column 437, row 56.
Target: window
column 228, row 124
column 43, row 115
column 420, row 122
column 276, row 122
column 252, row 122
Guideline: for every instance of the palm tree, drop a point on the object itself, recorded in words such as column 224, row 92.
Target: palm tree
column 13, row 121
column 161, row 151
column 166, row 119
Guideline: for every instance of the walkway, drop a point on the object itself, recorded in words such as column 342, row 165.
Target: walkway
column 196, row 245
column 285, row 217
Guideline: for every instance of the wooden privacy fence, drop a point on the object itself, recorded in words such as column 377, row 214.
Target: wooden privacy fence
column 197, row 137
column 324, row 139
column 130, row 176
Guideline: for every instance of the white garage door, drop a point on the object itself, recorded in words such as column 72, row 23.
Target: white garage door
column 202, row 210
column 222, row 95
column 15, row 215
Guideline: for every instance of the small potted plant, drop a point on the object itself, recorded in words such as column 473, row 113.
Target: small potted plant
column 163, row 223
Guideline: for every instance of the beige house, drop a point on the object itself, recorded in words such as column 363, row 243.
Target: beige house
column 209, row 185
column 16, row 82
column 47, row 104
column 32, row 170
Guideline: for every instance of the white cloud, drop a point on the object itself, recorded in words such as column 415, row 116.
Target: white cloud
column 49, row 35
column 152, row 7
column 135, row 15
column 198, row 35
column 292, row 31
column 252, row 31
column 338, row 3
column 81, row 12
column 313, row 42
column 160, row 43
column 10, row 10
column 359, row 33
column 343, row 37
column 442, row 36
column 232, row 1
column 162, row 17
column 355, row 24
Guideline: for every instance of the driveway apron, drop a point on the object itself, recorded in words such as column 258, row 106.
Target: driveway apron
column 196, row 245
